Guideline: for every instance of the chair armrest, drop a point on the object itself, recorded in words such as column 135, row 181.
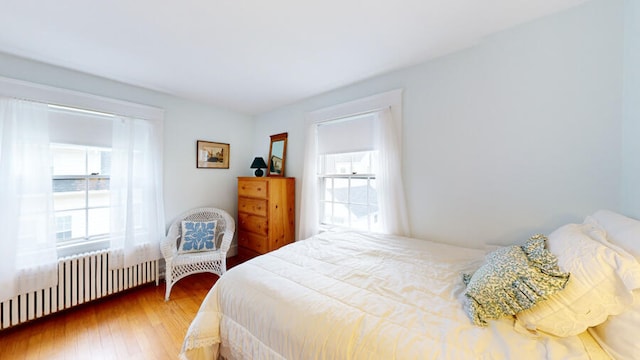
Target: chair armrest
column 225, row 243
column 169, row 247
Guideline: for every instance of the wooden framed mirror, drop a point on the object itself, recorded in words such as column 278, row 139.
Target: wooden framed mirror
column 277, row 155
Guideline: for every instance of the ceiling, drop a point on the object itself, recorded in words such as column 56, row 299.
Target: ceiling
column 252, row 56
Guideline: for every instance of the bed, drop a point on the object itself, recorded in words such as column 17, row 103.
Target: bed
column 351, row 295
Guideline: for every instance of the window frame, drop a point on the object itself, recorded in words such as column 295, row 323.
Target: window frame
column 349, row 175
column 324, row 202
column 88, row 242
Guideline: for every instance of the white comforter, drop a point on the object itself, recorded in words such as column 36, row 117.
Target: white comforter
column 356, row 296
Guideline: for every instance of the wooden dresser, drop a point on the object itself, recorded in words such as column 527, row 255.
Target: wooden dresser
column 266, row 214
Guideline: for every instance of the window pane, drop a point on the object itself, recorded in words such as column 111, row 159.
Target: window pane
column 99, row 221
column 69, row 185
column 340, row 214
column 98, row 161
column 373, row 194
column 362, row 162
column 337, row 164
column 359, row 217
column 343, row 164
column 68, row 160
column 73, row 221
column 349, row 163
column 98, row 184
column 341, row 190
column 358, row 192
column 68, row 194
column 100, row 198
column 99, row 195
column 63, row 227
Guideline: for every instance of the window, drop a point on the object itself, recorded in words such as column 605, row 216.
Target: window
column 81, row 197
column 76, row 171
column 348, row 190
column 347, row 159
column 80, row 148
column 353, row 167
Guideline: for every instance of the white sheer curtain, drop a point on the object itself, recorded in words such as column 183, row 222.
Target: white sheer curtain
column 309, row 213
column 391, row 201
column 27, row 238
column 390, row 189
column 137, row 213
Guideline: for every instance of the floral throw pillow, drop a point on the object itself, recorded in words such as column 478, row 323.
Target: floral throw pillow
column 198, row 236
column 513, row 279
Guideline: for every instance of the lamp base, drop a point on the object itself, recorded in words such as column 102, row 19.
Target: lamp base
column 259, row 172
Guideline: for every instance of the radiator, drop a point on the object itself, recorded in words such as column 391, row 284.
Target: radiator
column 81, row 278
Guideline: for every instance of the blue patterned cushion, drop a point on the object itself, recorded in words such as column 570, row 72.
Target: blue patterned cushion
column 198, row 236
column 513, row 279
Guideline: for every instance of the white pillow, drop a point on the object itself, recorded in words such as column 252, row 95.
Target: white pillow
column 621, row 230
column 619, row 334
column 601, row 283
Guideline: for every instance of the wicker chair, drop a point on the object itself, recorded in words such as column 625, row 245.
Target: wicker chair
column 179, row 265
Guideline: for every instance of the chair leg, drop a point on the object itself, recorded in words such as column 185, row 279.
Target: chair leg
column 168, row 282
column 168, row 291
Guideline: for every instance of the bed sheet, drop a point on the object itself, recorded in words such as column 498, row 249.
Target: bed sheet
column 350, row 295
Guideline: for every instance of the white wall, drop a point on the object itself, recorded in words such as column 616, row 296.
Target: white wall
column 630, row 189
column 185, row 186
column 514, row 136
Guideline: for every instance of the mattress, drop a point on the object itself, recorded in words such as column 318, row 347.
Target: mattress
column 350, row 295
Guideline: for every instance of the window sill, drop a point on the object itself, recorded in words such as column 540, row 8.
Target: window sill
column 82, row 248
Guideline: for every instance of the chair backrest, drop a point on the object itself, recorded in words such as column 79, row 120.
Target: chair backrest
column 225, row 226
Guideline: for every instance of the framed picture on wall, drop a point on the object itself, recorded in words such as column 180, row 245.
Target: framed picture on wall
column 212, row 155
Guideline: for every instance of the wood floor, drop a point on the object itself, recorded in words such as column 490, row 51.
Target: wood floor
column 135, row 324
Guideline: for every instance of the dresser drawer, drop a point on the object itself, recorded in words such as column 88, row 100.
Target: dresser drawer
column 253, row 188
column 252, row 206
column 251, row 241
column 253, row 223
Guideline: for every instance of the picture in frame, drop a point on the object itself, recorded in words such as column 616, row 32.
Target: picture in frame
column 212, row 155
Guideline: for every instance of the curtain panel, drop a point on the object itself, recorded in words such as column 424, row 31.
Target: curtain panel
column 137, row 211
column 309, row 212
column 27, row 240
column 391, row 201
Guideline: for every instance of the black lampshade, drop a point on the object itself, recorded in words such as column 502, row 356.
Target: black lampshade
column 259, row 164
